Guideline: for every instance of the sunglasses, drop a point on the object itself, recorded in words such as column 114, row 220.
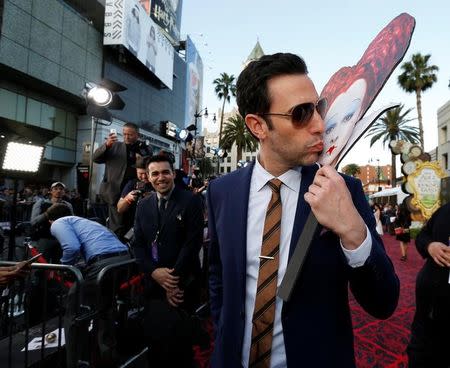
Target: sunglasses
column 302, row 113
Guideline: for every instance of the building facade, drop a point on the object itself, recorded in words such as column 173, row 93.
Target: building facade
column 443, row 149
column 49, row 50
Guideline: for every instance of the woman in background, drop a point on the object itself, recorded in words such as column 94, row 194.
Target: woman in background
column 402, row 224
column 377, row 214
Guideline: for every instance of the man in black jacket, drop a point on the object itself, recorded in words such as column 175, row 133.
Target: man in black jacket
column 168, row 237
column 430, row 331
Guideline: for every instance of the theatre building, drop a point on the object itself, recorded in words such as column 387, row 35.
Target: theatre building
column 50, row 49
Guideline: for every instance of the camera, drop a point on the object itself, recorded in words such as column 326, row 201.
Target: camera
column 139, row 190
column 143, row 148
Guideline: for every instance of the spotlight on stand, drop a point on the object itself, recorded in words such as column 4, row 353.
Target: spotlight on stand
column 221, row 153
column 21, row 153
column 185, row 136
column 100, row 98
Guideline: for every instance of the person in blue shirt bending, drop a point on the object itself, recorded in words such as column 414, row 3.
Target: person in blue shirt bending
column 98, row 247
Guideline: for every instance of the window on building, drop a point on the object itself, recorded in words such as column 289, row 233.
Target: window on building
column 25, row 109
column 228, row 159
column 222, row 169
column 228, row 169
column 445, row 161
column 247, row 158
column 443, row 135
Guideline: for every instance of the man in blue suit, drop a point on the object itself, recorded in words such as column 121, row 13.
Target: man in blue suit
column 281, row 109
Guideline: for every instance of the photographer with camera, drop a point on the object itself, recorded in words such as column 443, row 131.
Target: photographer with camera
column 119, row 159
column 133, row 191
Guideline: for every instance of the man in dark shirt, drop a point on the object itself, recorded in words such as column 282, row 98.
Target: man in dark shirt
column 169, row 234
column 430, row 331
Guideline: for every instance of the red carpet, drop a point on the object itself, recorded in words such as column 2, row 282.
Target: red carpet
column 383, row 343
column 378, row 344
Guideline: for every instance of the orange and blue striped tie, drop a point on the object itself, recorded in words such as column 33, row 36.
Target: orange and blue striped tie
column 264, row 313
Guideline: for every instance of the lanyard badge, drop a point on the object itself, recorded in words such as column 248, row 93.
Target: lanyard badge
column 155, row 243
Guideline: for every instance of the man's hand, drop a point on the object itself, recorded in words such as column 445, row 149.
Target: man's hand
column 440, row 253
column 332, row 204
column 112, row 138
column 175, row 297
column 9, row 273
column 164, row 277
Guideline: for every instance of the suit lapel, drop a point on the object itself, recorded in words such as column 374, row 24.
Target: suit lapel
column 238, row 198
column 303, row 208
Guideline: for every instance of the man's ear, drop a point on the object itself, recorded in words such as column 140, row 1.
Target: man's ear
column 257, row 125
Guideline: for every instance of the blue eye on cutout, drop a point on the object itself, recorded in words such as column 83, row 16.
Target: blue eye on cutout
column 352, row 109
column 331, row 124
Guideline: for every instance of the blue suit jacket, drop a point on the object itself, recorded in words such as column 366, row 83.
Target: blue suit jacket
column 316, row 321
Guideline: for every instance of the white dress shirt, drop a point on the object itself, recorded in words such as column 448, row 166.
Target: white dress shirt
column 259, row 199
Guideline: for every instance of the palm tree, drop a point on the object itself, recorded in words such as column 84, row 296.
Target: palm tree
column 205, row 166
column 351, row 169
column 225, row 88
column 394, row 126
column 236, row 132
column 417, row 77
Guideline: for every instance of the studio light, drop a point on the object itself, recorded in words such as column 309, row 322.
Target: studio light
column 100, row 96
column 185, row 135
column 14, row 157
column 221, row 153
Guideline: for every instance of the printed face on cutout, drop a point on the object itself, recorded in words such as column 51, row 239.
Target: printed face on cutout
column 341, row 119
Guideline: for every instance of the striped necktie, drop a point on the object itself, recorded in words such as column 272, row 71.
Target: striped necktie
column 264, row 313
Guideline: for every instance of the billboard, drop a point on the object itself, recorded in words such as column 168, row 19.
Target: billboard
column 194, row 84
column 166, row 14
column 127, row 24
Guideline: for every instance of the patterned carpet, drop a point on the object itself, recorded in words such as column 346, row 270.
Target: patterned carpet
column 382, row 344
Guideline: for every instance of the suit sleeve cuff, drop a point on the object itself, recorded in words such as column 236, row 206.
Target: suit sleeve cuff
column 357, row 257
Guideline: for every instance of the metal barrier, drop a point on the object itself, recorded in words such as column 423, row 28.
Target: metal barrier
column 120, row 296
column 31, row 315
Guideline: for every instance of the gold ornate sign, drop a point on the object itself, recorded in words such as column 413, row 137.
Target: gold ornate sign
column 425, row 183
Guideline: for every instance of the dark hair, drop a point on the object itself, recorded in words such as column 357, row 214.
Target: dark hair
column 57, row 211
column 252, row 95
column 162, row 157
column 132, row 126
column 141, row 162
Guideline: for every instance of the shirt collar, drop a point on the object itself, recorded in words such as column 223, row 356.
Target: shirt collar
column 290, row 178
column 167, row 196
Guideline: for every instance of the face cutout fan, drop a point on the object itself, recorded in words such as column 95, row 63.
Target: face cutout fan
column 351, row 90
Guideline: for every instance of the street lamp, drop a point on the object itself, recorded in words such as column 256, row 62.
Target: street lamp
column 198, row 114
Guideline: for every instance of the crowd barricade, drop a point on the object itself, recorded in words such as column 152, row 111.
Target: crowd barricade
column 31, row 316
column 120, row 296
column 23, row 211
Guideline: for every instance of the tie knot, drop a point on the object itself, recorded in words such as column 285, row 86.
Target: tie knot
column 275, row 185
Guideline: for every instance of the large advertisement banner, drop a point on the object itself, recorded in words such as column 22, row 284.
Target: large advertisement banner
column 127, row 24
column 167, row 14
column 194, row 85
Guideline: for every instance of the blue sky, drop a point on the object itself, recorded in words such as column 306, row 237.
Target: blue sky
column 328, row 35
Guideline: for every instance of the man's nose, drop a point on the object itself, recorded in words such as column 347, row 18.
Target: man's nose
column 317, row 123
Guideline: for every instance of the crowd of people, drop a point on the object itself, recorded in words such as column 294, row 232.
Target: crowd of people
column 395, row 220
column 254, row 216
